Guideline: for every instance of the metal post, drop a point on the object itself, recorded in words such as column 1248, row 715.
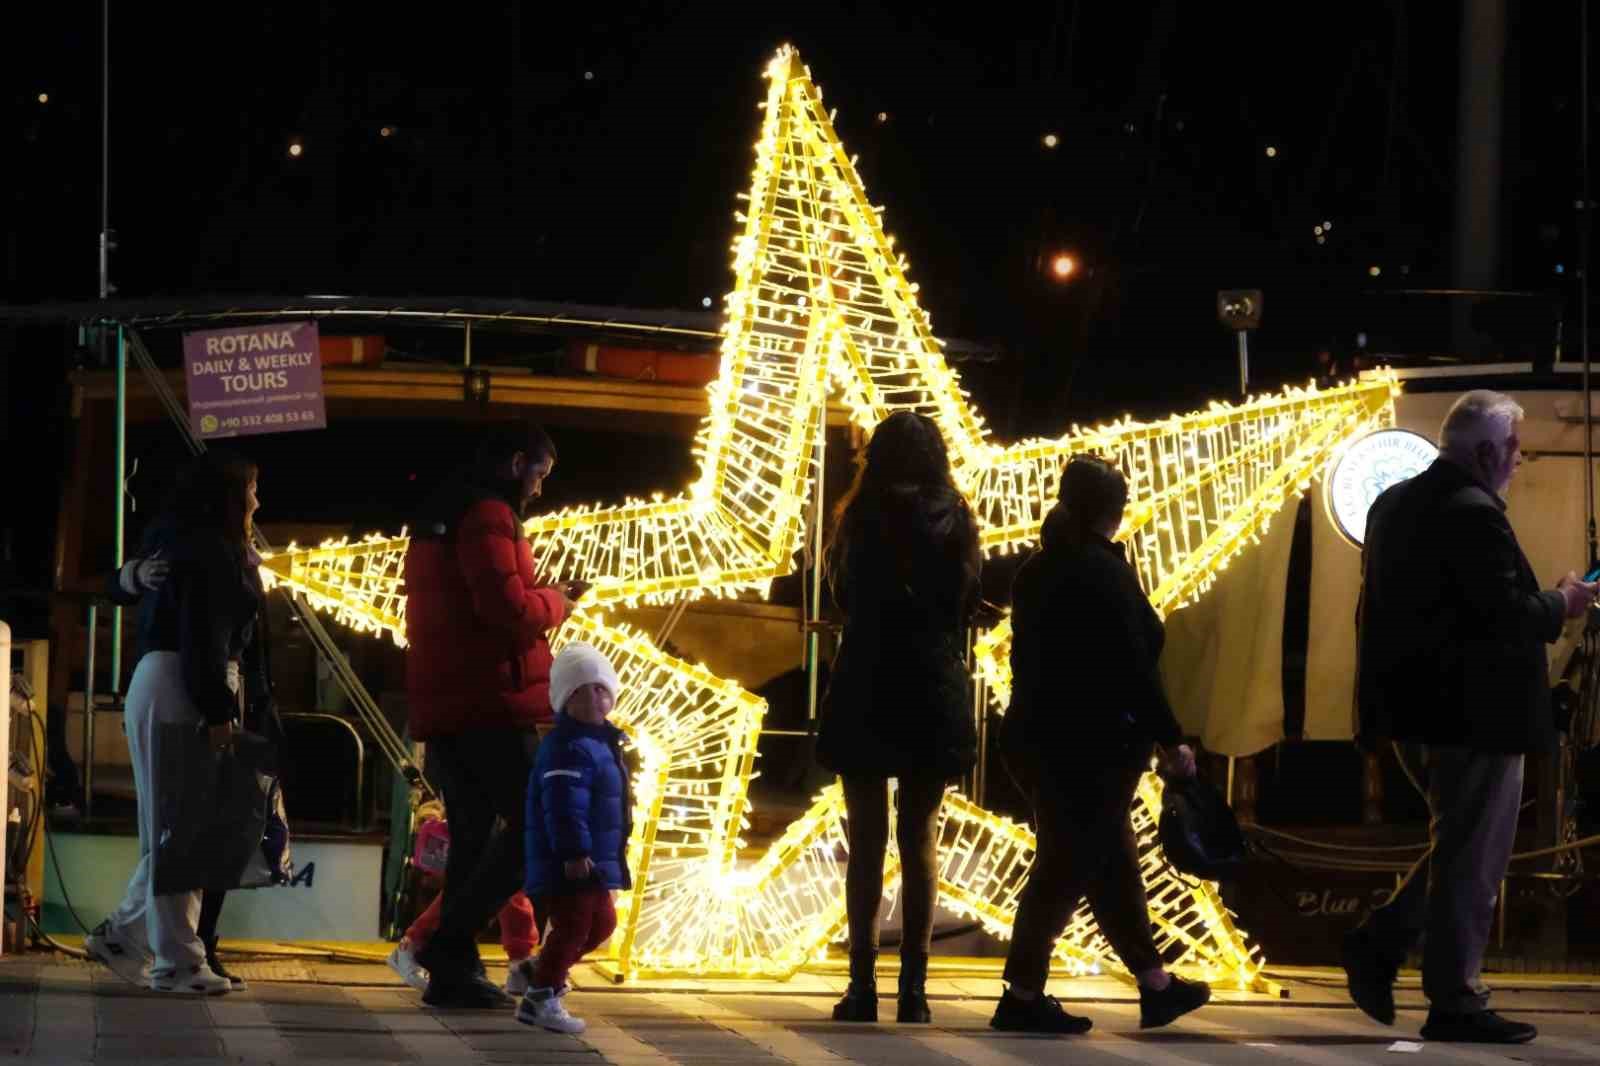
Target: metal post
column 1244, row 363
column 1583, row 278
column 814, row 609
column 118, row 499
column 88, row 719
column 105, row 149
column 466, row 348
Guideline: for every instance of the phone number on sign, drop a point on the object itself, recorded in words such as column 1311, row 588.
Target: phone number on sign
column 271, row 418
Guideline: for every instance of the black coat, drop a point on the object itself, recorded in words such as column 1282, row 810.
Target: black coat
column 1452, row 624
column 899, row 699
column 1085, row 651
column 175, row 619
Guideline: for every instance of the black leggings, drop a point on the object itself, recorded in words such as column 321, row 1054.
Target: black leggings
column 210, row 910
column 866, row 804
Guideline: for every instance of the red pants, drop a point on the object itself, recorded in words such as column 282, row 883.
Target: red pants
column 517, row 933
column 579, row 923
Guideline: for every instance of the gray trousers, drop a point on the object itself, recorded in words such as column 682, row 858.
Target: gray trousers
column 164, row 924
column 1473, row 798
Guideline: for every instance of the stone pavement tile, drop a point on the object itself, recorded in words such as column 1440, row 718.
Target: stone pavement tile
column 151, row 1047
column 419, row 1033
column 63, row 1015
column 18, row 985
column 682, row 1036
column 1349, row 1033
column 241, row 1022
column 1115, row 1038
column 355, row 1047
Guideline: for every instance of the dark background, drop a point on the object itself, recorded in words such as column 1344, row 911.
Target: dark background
column 593, row 153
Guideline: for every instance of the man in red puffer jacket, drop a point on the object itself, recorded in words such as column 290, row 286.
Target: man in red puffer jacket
column 478, row 617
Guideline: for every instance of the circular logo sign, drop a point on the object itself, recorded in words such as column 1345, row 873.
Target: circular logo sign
column 1367, row 466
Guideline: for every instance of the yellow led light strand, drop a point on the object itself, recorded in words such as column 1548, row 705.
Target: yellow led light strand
column 820, row 294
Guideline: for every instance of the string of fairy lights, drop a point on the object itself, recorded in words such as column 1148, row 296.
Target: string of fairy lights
column 821, row 300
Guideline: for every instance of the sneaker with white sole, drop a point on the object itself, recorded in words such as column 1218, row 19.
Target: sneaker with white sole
column 544, row 1007
column 403, row 961
column 109, row 945
column 196, row 980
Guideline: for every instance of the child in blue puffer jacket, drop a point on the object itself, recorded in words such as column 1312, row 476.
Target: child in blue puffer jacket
column 576, row 833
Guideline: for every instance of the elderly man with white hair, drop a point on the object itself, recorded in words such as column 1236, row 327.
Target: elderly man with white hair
column 1452, row 628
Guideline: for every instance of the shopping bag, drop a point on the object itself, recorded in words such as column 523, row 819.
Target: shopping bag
column 271, row 863
column 212, row 810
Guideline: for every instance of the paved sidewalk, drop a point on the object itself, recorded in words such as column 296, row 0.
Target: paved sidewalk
column 307, row 1012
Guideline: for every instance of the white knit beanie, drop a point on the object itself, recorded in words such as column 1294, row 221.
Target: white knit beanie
column 576, row 665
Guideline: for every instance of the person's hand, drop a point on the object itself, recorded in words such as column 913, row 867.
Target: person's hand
column 578, row 869
column 1178, row 762
column 222, row 736
column 150, row 573
column 1579, row 595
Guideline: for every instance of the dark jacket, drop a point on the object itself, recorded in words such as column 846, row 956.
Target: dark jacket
column 205, row 611
column 1085, row 650
column 579, row 805
column 255, row 658
column 1452, row 624
column 899, row 698
column 476, row 619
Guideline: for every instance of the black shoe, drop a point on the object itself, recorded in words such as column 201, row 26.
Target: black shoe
column 1171, row 1003
column 1369, row 978
column 913, row 999
column 860, row 1002
column 465, row 992
column 1476, row 1027
column 221, row 971
column 1042, row 1014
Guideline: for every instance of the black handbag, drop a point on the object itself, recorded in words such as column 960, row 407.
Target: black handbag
column 1199, row 833
column 213, row 809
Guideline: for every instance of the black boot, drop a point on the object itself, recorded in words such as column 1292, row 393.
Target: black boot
column 217, row 968
column 914, row 989
column 860, row 1002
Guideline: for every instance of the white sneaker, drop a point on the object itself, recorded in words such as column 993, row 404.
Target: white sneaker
column 544, row 1008
column 127, row 959
column 197, row 980
column 403, row 961
column 519, row 976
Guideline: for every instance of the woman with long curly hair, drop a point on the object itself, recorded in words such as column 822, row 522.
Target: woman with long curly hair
column 903, row 567
column 193, row 631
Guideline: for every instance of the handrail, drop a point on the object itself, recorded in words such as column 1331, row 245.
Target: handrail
column 357, row 822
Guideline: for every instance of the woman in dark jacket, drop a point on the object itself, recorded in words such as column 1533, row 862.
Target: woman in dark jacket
column 193, row 632
column 1087, row 709
column 903, row 566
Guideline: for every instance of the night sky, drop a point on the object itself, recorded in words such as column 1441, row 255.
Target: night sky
column 593, row 153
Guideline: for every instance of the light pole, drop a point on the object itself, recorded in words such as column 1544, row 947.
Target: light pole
column 1240, row 311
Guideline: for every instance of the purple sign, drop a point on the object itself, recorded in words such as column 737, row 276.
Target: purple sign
column 254, row 379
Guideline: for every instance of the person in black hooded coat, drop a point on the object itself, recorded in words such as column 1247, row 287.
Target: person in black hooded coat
column 1087, row 710
column 903, row 567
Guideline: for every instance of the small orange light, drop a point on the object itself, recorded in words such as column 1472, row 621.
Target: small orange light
column 1063, row 266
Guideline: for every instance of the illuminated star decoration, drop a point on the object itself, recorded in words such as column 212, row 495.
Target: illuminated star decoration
column 821, row 300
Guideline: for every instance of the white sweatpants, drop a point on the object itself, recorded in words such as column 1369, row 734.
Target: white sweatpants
column 163, row 924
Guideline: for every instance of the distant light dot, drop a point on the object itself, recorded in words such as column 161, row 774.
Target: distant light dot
column 1374, row 270
column 1327, row 226
column 588, row 75
column 1317, row 230
column 883, row 116
column 1272, row 152
column 295, row 149
column 386, row 131
column 1062, row 266
column 705, row 301
column 1561, row 268
column 44, row 98
column 1051, row 140
column 1322, row 240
